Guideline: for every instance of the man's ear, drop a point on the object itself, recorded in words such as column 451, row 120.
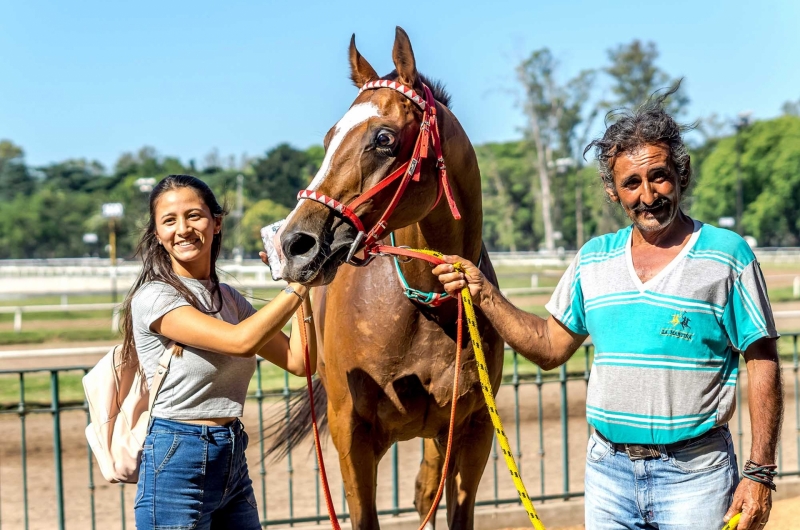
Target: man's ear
column 611, row 192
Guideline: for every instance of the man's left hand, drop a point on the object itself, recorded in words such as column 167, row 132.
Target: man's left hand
column 754, row 501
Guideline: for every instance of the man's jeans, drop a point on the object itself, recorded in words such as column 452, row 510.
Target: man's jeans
column 691, row 488
column 195, row 476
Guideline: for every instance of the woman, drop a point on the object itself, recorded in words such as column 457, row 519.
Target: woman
column 193, row 472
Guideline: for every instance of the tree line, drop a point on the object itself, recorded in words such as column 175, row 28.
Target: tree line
column 538, row 192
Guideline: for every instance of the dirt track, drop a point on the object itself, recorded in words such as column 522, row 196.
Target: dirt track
column 40, row 463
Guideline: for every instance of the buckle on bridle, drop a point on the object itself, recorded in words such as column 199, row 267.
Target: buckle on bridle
column 354, row 247
column 412, row 166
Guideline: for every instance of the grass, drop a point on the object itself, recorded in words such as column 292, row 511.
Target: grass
column 56, row 315
column 782, row 294
column 38, row 389
column 56, row 300
column 9, row 338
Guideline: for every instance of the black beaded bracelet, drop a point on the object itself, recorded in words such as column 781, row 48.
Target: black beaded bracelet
column 763, row 474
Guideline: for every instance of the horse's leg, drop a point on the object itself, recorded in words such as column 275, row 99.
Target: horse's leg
column 430, row 473
column 359, row 465
column 471, row 448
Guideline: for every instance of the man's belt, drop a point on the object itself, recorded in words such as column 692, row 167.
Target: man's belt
column 643, row 451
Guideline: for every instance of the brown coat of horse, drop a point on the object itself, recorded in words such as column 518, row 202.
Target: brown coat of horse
column 387, row 363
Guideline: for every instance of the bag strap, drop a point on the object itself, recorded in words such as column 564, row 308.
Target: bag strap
column 161, row 373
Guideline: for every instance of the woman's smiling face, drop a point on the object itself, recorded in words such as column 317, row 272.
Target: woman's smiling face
column 186, row 229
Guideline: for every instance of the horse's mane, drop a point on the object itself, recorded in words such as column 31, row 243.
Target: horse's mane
column 437, row 87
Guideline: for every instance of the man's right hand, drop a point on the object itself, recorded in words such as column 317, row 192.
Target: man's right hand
column 454, row 280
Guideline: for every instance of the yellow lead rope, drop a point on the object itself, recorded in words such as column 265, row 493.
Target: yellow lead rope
column 488, row 396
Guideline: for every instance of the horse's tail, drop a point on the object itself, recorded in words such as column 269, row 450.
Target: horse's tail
column 291, row 425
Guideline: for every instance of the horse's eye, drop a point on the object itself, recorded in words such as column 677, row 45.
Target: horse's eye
column 384, row 139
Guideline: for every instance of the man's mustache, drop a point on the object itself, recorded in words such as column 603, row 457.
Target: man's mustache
column 657, row 204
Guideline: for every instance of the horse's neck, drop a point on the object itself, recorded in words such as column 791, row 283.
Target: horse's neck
column 439, row 230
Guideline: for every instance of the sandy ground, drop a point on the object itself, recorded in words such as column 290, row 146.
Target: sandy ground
column 290, row 486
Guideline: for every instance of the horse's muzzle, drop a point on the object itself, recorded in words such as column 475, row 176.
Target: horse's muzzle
column 311, row 260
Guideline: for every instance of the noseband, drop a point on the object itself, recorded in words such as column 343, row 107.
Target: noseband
column 411, row 170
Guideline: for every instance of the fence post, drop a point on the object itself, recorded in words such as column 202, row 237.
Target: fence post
column 24, row 452
column 18, row 319
column 263, row 468
column 796, row 287
column 534, row 280
column 64, row 300
column 564, row 428
column 395, row 481
column 56, row 410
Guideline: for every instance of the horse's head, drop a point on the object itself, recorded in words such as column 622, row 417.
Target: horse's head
column 370, row 142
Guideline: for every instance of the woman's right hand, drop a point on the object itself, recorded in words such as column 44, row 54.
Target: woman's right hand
column 454, row 280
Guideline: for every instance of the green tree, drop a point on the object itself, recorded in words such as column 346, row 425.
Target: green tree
column 258, row 215
column 554, row 112
column 791, row 108
column 280, row 175
column 15, row 178
column 509, row 222
column 635, row 77
column 75, row 175
column 769, row 154
column 49, row 224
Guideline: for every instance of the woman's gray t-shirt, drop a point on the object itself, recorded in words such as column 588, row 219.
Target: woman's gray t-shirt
column 200, row 384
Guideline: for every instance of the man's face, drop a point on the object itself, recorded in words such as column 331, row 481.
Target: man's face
column 646, row 186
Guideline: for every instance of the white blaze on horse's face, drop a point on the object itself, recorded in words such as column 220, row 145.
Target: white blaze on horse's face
column 356, row 115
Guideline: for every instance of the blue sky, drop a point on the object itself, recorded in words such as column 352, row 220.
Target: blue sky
column 93, row 79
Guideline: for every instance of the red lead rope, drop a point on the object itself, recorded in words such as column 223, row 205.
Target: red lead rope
column 322, row 474
column 383, row 249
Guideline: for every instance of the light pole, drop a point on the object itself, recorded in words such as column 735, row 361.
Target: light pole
column 741, row 124
column 238, row 251
column 113, row 211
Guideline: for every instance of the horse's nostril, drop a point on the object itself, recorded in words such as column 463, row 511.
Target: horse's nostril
column 301, row 244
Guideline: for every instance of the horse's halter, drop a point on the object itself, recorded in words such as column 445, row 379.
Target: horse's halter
column 428, row 135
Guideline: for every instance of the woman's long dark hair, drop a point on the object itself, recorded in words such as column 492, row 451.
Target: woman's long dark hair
column 156, row 262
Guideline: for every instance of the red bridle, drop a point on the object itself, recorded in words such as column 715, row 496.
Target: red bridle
column 428, row 136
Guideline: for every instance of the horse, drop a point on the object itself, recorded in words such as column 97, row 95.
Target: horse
column 386, row 361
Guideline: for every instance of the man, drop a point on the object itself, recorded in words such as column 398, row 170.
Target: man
column 669, row 302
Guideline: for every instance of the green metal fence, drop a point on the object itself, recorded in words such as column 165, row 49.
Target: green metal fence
column 542, row 412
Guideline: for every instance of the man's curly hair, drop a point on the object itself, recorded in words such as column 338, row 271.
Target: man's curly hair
column 650, row 124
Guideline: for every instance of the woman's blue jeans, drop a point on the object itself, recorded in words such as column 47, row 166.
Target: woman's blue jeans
column 687, row 489
column 195, row 477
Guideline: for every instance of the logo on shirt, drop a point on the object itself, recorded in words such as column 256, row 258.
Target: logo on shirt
column 680, row 325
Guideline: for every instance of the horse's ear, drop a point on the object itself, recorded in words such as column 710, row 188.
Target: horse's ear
column 361, row 72
column 403, row 57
